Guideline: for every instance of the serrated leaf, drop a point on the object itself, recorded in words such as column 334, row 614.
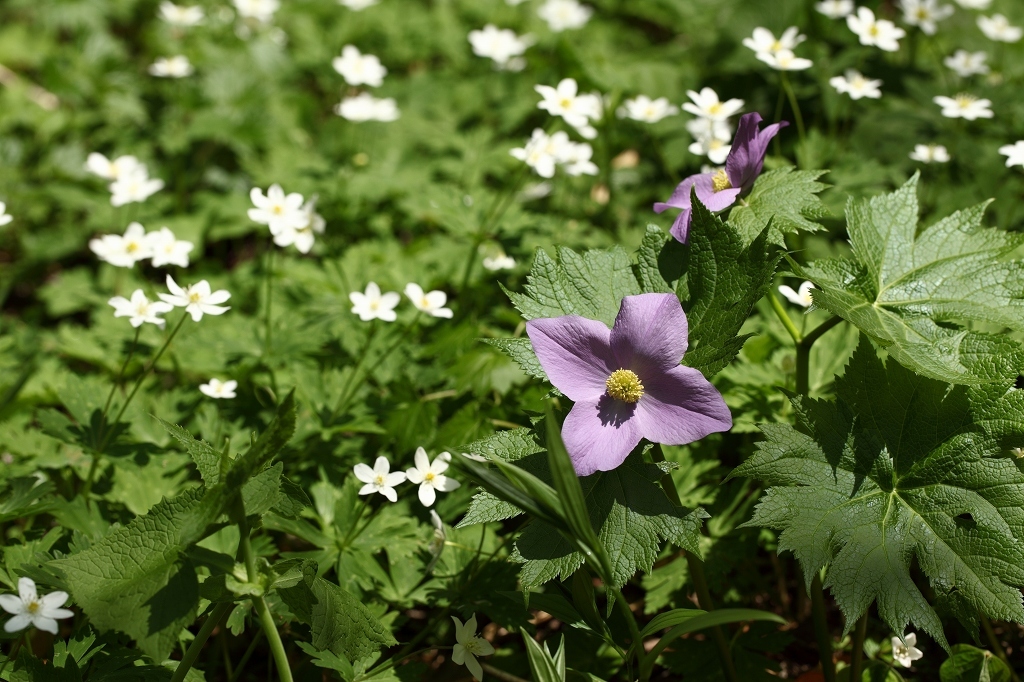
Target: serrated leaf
column 521, row 352
column 784, row 200
column 907, row 290
column 510, row 446
column 900, row 469
column 206, row 458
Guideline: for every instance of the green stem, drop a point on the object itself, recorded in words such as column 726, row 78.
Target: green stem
column 343, row 404
column 344, row 397
column 494, row 215
column 783, row 316
column 120, row 374
column 636, row 645
column 189, row 659
column 821, row 631
column 247, row 655
column 15, row 648
column 793, row 104
column 857, row 662
column 268, row 276
column 395, row 660
column 803, row 353
column 993, row 641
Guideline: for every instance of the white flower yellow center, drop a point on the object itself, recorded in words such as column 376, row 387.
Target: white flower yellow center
column 776, row 46
column 922, row 13
column 424, row 303
column 277, row 209
column 33, row 607
column 720, row 180
column 624, row 385
column 379, row 480
column 565, row 103
column 715, row 108
column 132, row 247
column 429, row 477
column 963, row 100
column 194, row 297
column 873, row 30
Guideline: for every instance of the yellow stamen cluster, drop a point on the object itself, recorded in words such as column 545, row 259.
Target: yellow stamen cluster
column 625, row 385
column 33, row 607
column 720, row 180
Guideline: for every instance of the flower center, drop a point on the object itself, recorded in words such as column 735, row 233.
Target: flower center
column 776, row 46
column 964, row 101
column 277, row 210
column 715, row 108
column 565, row 103
column 624, row 385
column 33, row 607
column 474, row 646
column 379, row 480
column 922, row 13
column 720, row 180
column 132, row 247
column 430, row 477
column 194, row 297
column 873, row 30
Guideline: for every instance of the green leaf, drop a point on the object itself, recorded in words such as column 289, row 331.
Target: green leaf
column 912, row 292
column 670, row 619
column 329, row 660
column 206, row 458
column 510, row 446
column 971, row 664
column 544, row 666
column 521, row 352
column 901, row 469
column 784, row 200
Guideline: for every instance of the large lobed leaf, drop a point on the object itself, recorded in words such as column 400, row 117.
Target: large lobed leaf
column 901, row 469
column 783, row 200
column 910, row 292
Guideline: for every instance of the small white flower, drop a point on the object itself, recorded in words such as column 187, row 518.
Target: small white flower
column 125, row 250
column 122, row 166
column 140, row 309
column 564, row 14
column 835, row 9
column 171, row 67
column 802, row 297
column 499, row 44
column 431, row 302
column 785, row 60
column 1014, row 154
column 358, row 68
column 5, row 217
column 372, row 305
column 260, row 10
column 500, row 261
column 429, row 476
column 998, row 28
column 358, row 5
column 166, row 249
column 303, row 237
column 135, row 186
column 906, row 654
column 180, row 15
column 379, row 479
column 707, row 105
column 764, row 40
column 966, row 63
column 564, row 100
column 276, row 210
column 28, row 608
column 705, row 127
column 964, row 106
column 575, row 159
column 196, row 299
column 219, row 389
column 974, row 4
column 468, row 646
column 925, row 14
column 716, row 149
column 856, row 85
column 643, row 108
column 542, row 151
column 881, row 33
column 929, row 153
column 366, row 107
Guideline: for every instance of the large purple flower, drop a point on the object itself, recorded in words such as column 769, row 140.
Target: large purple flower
column 626, row 382
column 718, row 190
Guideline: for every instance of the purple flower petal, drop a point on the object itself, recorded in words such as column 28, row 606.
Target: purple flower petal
column 575, row 353
column 680, row 196
column 681, row 227
column 712, row 200
column 680, row 406
column 748, row 149
column 649, row 336
column 599, row 434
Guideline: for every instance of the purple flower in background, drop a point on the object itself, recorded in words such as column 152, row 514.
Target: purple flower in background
column 718, row 190
column 626, row 382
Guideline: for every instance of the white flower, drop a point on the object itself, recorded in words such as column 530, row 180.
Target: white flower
column 123, row 251
column 29, row 608
column 97, row 164
column 366, row 107
column 785, row 60
column 881, row 33
column 140, row 309
column 171, row 67
column 929, row 153
column 358, row 68
column 966, row 63
column 513, row 3
column 974, row 4
column 764, row 40
column 378, row 479
column 801, row 298
column 705, row 127
column 500, row 261
column 499, row 44
column 304, row 237
column 260, row 10
column 856, row 85
column 835, row 9
column 964, row 106
column 565, row 101
column 542, row 151
column 716, row 149
column 166, row 249
column 468, row 646
column 278, row 211
column 906, row 654
column 432, row 302
column 997, row 27
column 648, row 110
column 925, row 13
column 358, row 5
column 1014, row 154
column 707, row 105
column 575, row 158
column 429, row 476
column 564, row 14
column 196, row 299
column 5, row 217
column 219, row 389
column 372, row 305
column 134, row 186
column 180, row 15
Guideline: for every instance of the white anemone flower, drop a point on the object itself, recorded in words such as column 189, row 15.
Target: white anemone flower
column 562, row 15
column 881, row 33
column 967, row 64
column 643, row 108
column 856, row 85
column 764, row 40
column 180, row 15
column 171, row 67
column 261, row 10
column 303, row 238
column 501, row 45
column 430, row 477
column 125, row 250
column 358, row 68
column 835, row 9
column 134, row 187
column 97, row 164
column 139, row 309
column 998, row 28
column 431, row 302
column 366, row 107
column 28, row 608
column 499, row 261
column 716, row 149
column 964, row 106
column 705, row 127
column 575, row 108
column 358, row 5
column 166, row 249
column 707, row 105
column 280, row 212
column 925, row 14
column 542, row 151
column 218, row 389
column 468, row 646
column 379, row 479
column 905, row 652
column 373, row 305
column 929, row 153
column 801, row 297
column 974, row 4
column 197, row 299
column 5, row 217
column 575, row 158
column 1014, row 153
column 785, row 60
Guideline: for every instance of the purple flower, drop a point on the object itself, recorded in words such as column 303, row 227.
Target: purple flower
column 626, row 382
column 718, row 190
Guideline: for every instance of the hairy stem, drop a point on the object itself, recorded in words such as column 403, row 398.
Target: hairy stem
column 857, row 662
column 194, row 649
column 821, row 631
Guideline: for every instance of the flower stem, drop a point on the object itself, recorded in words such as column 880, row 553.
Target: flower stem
column 494, row 214
column 501, row 674
column 997, row 647
column 268, row 276
column 189, row 659
column 821, row 631
column 348, row 395
column 120, row 374
column 857, row 662
column 634, row 632
column 793, row 104
column 784, row 318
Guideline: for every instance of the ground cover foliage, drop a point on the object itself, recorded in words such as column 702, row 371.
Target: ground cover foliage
column 320, row 438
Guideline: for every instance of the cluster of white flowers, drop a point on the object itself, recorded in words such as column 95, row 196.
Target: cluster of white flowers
column 856, row 85
column 562, row 15
column 575, row 108
column 711, row 130
column 778, row 53
column 291, row 220
column 171, row 67
column 124, row 251
column 197, row 300
column 129, row 176
column 429, row 476
column 929, row 153
column 643, row 108
column 925, row 14
column 543, row 153
column 501, row 45
column 28, row 608
column 363, row 69
column 180, row 15
column 374, row 305
column 5, row 217
column 139, row 309
column 880, row 33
